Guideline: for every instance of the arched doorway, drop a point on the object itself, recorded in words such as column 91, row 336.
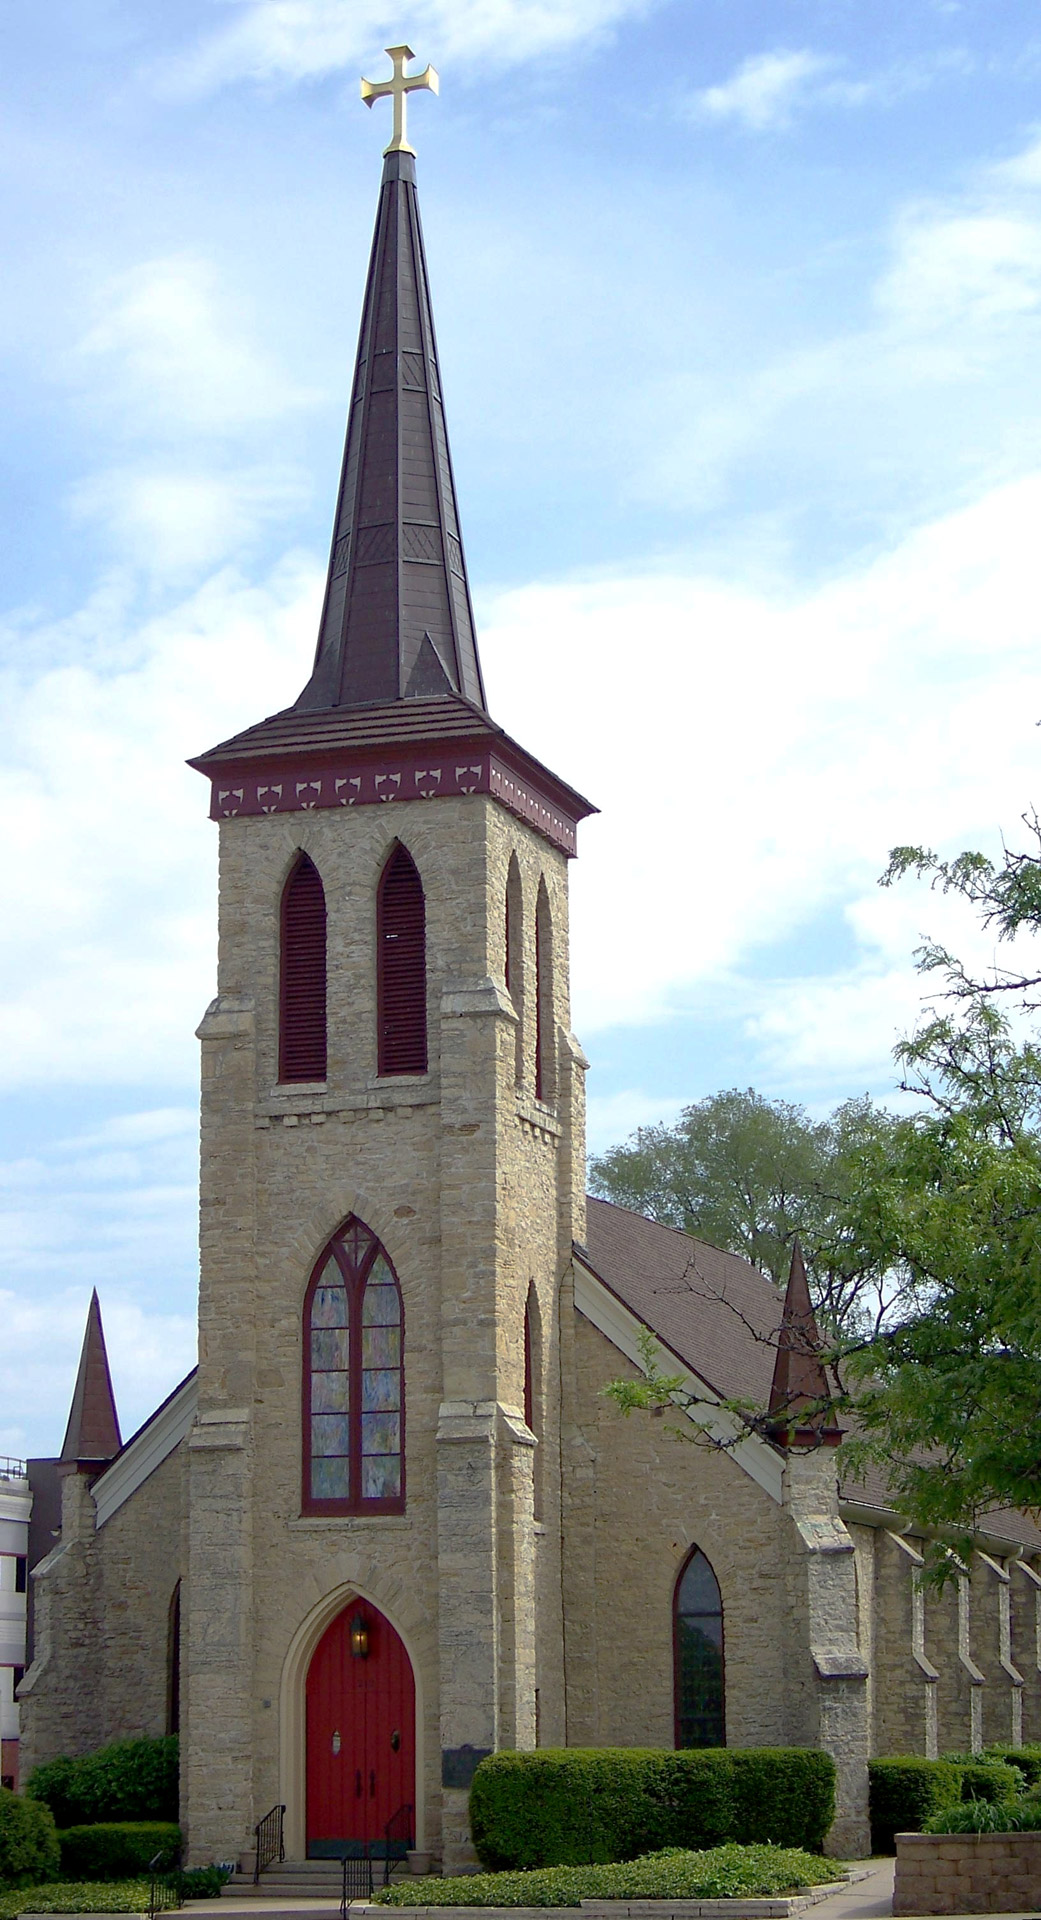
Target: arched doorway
column 361, row 1718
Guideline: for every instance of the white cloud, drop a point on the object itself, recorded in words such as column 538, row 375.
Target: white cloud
column 611, row 1117
column 756, row 754
column 170, row 524
column 168, row 351
column 297, row 40
column 765, row 90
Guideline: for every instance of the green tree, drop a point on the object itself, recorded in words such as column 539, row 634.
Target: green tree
column 942, row 1206
column 752, row 1175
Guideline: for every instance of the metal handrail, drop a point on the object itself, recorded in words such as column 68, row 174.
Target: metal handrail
column 269, row 1834
column 402, row 1820
column 163, row 1885
column 357, row 1878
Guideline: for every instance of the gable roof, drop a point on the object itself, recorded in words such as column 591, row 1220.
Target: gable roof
column 714, row 1310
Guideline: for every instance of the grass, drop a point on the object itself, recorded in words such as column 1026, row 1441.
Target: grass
column 76, row 1896
column 720, row 1873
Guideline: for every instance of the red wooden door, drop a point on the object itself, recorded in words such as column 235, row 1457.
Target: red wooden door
column 361, row 1717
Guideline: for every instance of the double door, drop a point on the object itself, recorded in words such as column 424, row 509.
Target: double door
column 361, row 1713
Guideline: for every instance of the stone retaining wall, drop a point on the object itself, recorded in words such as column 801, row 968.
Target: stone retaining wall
column 967, row 1872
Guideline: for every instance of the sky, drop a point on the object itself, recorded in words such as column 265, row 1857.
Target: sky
column 739, row 313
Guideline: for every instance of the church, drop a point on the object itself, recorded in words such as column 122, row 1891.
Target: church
column 391, row 1524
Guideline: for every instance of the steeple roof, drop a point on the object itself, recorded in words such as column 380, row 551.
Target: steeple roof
column 800, row 1396
column 397, row 623
column 92, row 1436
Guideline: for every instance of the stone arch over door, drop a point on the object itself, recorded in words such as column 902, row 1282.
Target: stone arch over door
column 344, row 1599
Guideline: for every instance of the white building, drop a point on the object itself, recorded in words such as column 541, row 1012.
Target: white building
column 15, row 1507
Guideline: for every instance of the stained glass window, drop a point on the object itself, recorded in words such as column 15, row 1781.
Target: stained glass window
column 700, row 1718
column 353, row 1393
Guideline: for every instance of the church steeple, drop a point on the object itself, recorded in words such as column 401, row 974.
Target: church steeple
column 92, row 1436
column 397, row 622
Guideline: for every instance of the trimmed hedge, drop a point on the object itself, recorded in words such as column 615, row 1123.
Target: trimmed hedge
column 990, row 1780
column 92, row 1896
column 723, row 1873
column 117, row 1849
column 578, row 1806
column 28, row 1842
column 904, row 1792
column 1026, row 1760
column 132, row 1780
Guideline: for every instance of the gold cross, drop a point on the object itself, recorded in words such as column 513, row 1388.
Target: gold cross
column 399, row 88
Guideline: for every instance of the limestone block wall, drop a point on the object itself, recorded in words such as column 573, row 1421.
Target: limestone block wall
column 103, row 1600
column 470, row 1184
column 635, row 1501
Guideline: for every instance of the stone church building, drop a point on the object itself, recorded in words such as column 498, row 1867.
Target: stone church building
column 390, row 1524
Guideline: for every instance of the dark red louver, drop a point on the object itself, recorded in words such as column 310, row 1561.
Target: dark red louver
column 302, row 1030
column 402, row 960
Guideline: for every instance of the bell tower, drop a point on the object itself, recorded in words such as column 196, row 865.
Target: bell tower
column 392, row 1167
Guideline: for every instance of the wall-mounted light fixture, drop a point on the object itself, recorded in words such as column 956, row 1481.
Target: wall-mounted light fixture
column 360, row 1637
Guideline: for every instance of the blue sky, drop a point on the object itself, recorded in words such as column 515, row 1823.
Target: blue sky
column 739, row 308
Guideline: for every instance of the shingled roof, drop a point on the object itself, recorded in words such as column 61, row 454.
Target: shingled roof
column 723, row 1319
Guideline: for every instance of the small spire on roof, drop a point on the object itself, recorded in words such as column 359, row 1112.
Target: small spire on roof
column 800, row 1383
column 92, row 1436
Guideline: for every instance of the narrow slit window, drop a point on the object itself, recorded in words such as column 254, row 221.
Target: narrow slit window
column 354, row 1403
column 545, row 1087
column 514, row 967
column 402, row 967
column 302, row 985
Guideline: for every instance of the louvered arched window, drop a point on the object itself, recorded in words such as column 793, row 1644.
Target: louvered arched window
column 402, row 967
column 698, row 1628
column 302, row 1021
column 354, row 1400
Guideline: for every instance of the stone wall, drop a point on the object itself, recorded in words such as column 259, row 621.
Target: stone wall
column 103, row 1608
column 470, row 1184
column 966, row 1873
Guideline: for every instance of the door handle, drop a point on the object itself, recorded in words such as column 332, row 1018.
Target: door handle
column 357, row 1782
column 372, row 1782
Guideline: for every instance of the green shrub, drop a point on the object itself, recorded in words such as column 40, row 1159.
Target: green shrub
column 200, row 1883
column 1026, row 1760
column 987, row 1816
column 28, row 1842
column 132, row 1780
column 904, row 1792
column 117, row 1849
column 990, row 1780
column 721, row 1873
column 783, row 1794
column 96, row 1896
column 576, row 1806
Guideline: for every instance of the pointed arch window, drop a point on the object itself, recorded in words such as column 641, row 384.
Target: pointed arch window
column 302, row 977
column 698, row 1644
column 401, row 940
column 354, row 1383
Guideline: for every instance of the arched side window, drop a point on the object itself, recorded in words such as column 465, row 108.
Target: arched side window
column 698, row 1644
column 302, row 1018
column 354, row 1399
column 545, row 1081
column 401, row 939
column 514, row 941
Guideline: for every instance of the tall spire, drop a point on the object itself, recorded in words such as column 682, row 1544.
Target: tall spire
column 92, row 1436
column 800, row 1397
column 397, row 623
